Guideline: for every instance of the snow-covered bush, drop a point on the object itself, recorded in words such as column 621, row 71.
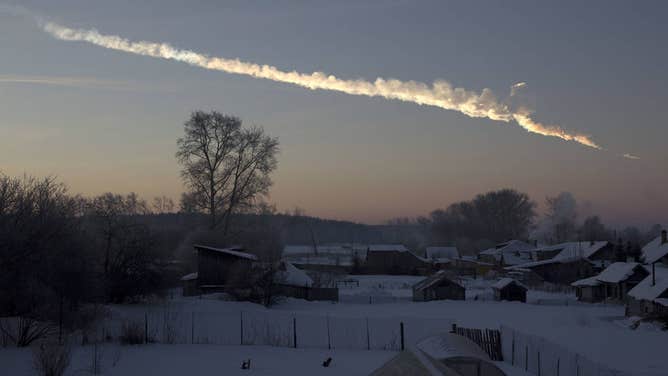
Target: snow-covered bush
column 51, row 359
column 132, row 333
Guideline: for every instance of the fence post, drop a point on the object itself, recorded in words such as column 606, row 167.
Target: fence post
column 146, row 327
column 294, row 331
column 558, row 361
column 577, row 365
column 329, row 336
column 454, row 328
column 539, row 363
column 241, row 315
column 513, row 360
column 401, row 327
column 368, row 340
column 526, row 358
column 192, row 328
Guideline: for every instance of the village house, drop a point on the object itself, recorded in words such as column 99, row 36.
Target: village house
column 333, row 258
column 649, row 299
column 438, row 287
column 469, row 265
column 600, row 253
column 296, row 283
column 216, row 268
column 510, row 290
column 613, row 283
column 557, row 270
column 589, row 290
column 442, row 257
column 509, row 253
column 394, row 259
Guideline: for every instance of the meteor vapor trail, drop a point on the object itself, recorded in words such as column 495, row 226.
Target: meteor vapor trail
column 439, row 94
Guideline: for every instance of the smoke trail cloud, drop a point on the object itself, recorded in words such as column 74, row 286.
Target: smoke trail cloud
column 630, row 156
column 439, row 94
column 516, row 87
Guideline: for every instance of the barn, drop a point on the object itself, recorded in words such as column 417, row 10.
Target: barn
column 394, row 259
column 438, row 287
column 217, row 268
column 510, row 290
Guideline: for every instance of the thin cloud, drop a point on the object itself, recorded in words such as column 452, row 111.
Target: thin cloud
column 630, row 156
column 82, row 82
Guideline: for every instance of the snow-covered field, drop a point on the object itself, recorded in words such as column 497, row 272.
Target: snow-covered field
column 191, row 360
column 600, row 333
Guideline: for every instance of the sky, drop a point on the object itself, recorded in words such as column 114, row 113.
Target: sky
column 104, row 120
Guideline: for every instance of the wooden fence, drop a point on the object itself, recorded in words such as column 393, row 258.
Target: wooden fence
column 488, row 339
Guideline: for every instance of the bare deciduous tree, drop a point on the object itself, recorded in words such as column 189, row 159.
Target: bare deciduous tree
column 226, row 167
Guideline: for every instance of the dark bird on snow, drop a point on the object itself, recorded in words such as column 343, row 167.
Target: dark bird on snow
column 327, row 362
column 245, row 364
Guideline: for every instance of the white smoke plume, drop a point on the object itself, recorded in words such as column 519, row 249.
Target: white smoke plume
column 516, row 87
column 630, row 156
column 439, row 94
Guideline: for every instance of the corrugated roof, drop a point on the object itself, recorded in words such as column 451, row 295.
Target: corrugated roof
column 230, row 251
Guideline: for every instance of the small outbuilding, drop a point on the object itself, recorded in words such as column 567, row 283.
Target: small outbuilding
column 438, row 287
column 394, row 259
column 649, row 299
column 589, row 290
column 510, row 290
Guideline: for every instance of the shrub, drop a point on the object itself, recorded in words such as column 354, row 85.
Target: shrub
column 51, row 359
column 132, row 333
column 23, row 331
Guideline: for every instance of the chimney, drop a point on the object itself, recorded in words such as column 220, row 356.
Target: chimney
column 664, row 237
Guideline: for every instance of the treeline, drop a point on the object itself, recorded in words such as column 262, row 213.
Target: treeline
column 506, row 214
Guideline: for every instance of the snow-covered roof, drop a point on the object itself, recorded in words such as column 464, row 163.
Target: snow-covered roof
column 584, row 249
column 343, row 248
column 449, row 345
column 513, row 252
column 591, row 282
column 554, row 260
column 432, row 280
column 189, row 277
column 618, row 272
column 230, row 251
column 387, row 248
column 654, row 250
column 289, row 274
column 449, row 253
column 645, row 290
column 503, row 282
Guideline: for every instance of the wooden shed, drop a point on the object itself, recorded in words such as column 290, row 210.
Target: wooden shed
column 215, row 267
column 438, row 287
column 510, row 290
column 589, row 290
column 394, row 259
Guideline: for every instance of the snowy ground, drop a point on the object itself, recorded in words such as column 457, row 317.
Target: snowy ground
column 601, row 333
column 179, row 360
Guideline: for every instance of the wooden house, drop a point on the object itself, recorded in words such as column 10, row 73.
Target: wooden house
column 619, row 278
column 394, row 259
column 589, row 290
column 510, row 290
column 438, row 287
column 217, row 269
column 649, row 299
column 562, row 271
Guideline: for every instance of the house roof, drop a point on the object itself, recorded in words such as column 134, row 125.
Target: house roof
column 654, row 251
column 342, row 249
column 645, row 290
column 554, row 260
column 442, row 253
column 289, row 274
column 503, row 282
column 189, row 277
column 584, row 249
column 618, row 272
column 432, row 280
column 387, row 248
column 591, row 282
column 235, row 251
column 512, row 252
